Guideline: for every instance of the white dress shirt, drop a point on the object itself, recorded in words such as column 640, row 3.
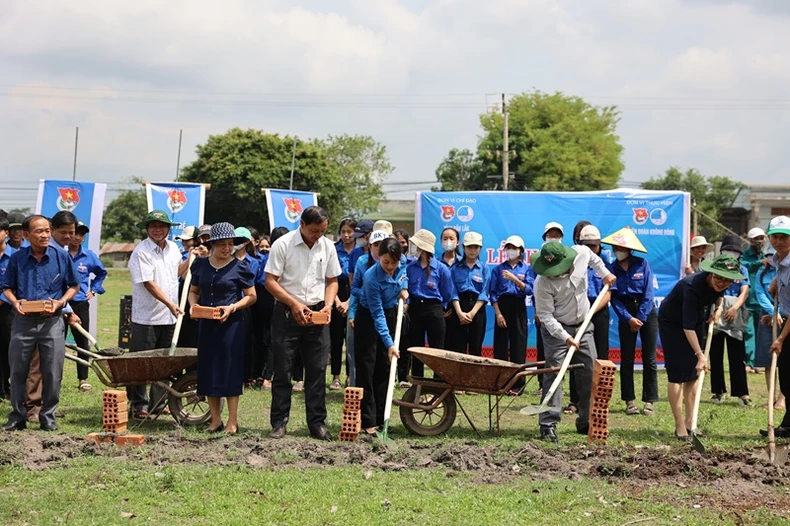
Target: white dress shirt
column 563, row 300
column 149, row 262
column 302, row 271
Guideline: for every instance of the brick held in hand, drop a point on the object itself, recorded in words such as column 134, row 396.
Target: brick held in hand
column 319, row 318
column 206, row 313
column 35, row 307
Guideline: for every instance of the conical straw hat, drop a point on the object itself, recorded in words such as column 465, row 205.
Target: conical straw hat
column 625, row 238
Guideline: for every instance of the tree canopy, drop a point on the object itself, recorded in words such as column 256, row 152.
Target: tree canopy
column 559, row 142
column 123, row 212
column 347, row 172
column 710, row 195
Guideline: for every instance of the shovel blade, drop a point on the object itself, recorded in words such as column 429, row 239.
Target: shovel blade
column 533, row 410
column 383, row 436
column 777, row 456
column 698, row 446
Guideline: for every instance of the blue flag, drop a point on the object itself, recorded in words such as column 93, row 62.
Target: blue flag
column 286, row 207
column 184, row 202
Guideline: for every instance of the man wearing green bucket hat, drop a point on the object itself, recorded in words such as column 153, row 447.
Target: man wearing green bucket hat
column 154, row 266
column 681, row 321
column 561, row 303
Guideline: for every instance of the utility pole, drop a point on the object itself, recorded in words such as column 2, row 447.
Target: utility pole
column 505, row 151
column 76, row 145
column 695, row 225
column 293, row 165
column 178, row 157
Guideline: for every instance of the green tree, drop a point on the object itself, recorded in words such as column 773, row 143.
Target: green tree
column 710, row 195
column 462, row 170
column 557, row 142
column 123, row 212
column 345, row 171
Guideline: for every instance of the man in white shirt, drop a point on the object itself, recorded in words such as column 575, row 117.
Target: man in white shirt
column 561, row 304
column 154, row 267
column 301, row 274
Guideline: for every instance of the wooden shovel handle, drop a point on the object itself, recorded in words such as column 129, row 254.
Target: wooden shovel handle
column 701, row 379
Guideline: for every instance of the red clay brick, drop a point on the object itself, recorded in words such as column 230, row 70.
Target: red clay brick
column 110, row 408
column 115, row 418
column 114, row 428
column 114, row 396
column 353, row 393
column 352, row 405
column 348, row 437
column 352, row 416
column 129, row 440
column 351, row 427
column 99, row 438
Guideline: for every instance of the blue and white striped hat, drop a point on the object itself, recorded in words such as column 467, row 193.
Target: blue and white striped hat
column 220, row 231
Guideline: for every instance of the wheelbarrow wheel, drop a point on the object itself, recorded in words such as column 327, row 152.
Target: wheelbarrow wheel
column 191, row 410
column 428, row 422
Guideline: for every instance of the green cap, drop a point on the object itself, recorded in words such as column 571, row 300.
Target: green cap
column 723, row 265
column 553, row 259
column 779, row 225
column 243, row 232
column 155, row 215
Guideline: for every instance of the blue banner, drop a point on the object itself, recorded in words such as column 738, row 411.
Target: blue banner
column 286, row 206
column 84, row 200
column 184, row 203
column 660, row 219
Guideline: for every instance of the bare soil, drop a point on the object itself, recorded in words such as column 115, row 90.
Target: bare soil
column 732, row 480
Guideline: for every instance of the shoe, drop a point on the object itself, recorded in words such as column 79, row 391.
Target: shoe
column 232, row 433
column 49, row 427
column 570, row 409
column 298, row 387
column 779, row 432
column 549, row 434
column 698, row 434
column 539, row 392
column 278, row 432
column 219, row 429
column 15, row 426
column 682, row 438
column 717, row 398
column 583, row 430
column 32, row 418
column 404, row 385
column 321, row 433
column 746, row 403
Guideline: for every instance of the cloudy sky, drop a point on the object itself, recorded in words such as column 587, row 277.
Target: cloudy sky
column 700, row 83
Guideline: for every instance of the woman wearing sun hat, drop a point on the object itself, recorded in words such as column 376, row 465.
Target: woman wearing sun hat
column 430, row 294
column 699, row 247
column 681, row 322
column 632, row 301
column 511, row 282
column 222, row 280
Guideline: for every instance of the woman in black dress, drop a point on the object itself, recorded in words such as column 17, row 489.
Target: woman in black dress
column 681, row 322
column 221, row 280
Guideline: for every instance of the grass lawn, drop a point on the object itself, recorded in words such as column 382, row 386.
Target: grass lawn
column 183, row 476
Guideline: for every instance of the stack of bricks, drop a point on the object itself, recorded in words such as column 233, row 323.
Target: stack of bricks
column 601, row 394
column 115, row 416
column 351, row 423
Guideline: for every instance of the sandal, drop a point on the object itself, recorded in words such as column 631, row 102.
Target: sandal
column 571, row 409
column 631, row 409
column 298, row 386
column 85, row 386
column 140, row 415
column 335, row 385
column 648, row 409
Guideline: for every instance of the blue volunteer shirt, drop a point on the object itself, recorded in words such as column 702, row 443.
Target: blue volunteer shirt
column 359, row 278
column 761, row 284
column 4, row 259
column 735, row 288
column 457, row 258
column 260, row 273
column 436, row 285
column 594, row 281
column 344, row 258
column 31, row 280
column 500, row 286
column 87, row 263
column 380, row 293
column 474, row 279
column 636, row 282
column 354, row 256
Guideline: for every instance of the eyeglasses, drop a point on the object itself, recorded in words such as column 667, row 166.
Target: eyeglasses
column 722, row 280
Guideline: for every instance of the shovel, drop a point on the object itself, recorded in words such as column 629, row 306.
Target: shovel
column 770, row 453
column 109, row 351
column 544, row 405
column 182, row 304
column 695, row 441
column 382, row 435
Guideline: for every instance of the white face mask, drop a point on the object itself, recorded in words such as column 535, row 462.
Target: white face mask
column 512, row 253
column 449, row 246
column 362, row 242
column 375, row 253
column 620, row 255
column 558, row 239
column 736, row 255
column 236, row 248
column 413, row 250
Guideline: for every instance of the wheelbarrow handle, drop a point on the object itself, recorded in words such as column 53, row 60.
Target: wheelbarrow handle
column 75, row 358
column 83, row 351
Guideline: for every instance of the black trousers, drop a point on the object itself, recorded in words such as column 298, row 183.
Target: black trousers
column 541, row 351
column 426, row 318
column 145, row 338
column 736, row 353
column 337, row 329
column 469, row 337
column 263, row 318
column 510, row 343
column 6, row 318
column 311, row 344
column 372, row 365
column 189, row 327
column 600, row 324
column 783, row 368
column 83, row 310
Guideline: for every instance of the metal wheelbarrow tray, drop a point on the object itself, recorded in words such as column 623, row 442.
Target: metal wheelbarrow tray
column 429, row 406
column 157, row 367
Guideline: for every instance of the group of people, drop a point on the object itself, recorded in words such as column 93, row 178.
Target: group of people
column 266, row 289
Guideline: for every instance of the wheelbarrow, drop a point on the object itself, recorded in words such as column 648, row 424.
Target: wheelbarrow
column 157, row 367
column 429, row 406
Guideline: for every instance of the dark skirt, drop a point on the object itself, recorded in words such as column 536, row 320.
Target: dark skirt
column 679, row 358
column 221, row 357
